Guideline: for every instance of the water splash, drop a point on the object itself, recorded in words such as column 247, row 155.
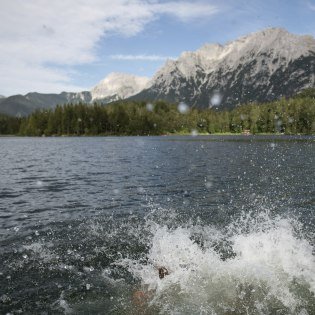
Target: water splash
column 257, row 265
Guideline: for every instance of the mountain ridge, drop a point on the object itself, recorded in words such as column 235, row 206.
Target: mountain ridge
column 261, row 66
column 121, row 86
column 258, row 67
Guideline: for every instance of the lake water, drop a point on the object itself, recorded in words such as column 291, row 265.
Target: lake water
column 86, row 222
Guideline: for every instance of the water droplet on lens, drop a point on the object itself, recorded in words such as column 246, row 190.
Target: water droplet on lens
column 216, row 99
column 183, row 108
column 39, row 183
column 150, row 107
column 194, row 133
column 141, row 190
column 208, row 184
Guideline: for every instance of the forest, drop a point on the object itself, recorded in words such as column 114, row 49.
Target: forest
column 294, row 115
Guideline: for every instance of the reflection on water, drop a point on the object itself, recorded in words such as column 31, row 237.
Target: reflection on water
column 85, row 222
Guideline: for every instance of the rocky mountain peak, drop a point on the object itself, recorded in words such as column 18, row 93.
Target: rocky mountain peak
column 119, row 86
column 261, row 66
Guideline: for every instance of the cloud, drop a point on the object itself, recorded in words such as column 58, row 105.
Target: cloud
column 40, row 37
column 186, row 10
column 140, row 57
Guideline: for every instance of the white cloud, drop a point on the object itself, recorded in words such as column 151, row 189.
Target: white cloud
column 140, row 57
column 38, row 35
column 187, row 10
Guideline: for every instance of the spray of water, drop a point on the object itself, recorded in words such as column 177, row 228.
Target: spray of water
column 257, row 265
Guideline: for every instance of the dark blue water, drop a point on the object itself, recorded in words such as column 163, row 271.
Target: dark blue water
column 84, row 222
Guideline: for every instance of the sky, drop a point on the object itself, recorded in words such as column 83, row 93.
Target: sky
column 70, row 45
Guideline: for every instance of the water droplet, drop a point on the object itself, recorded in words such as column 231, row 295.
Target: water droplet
column 150, row 107
column 208, row 185
column 194, row 133
column 141, row 190
column 183, row 108
column 279, row 123
column 39, row 183
column 216, row 99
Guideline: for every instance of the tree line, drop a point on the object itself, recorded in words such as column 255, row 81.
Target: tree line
column 290, row 116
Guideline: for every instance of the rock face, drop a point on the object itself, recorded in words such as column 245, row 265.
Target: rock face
column 118, row 86
column 262, row 66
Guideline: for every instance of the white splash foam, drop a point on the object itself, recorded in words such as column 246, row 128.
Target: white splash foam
column 269, row 268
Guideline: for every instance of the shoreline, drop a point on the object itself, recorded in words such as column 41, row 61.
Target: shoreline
column 162, row 135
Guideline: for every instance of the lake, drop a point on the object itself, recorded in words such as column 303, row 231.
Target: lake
column 85, row 223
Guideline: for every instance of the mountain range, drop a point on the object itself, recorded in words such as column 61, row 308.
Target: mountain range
column 261, row 66
column 114, row 87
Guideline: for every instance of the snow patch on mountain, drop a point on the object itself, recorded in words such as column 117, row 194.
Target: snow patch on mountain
column 119, row 86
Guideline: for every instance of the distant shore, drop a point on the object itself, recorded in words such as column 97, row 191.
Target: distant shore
column 161, row 135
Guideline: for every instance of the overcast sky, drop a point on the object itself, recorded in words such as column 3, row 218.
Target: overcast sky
column 70, row 45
